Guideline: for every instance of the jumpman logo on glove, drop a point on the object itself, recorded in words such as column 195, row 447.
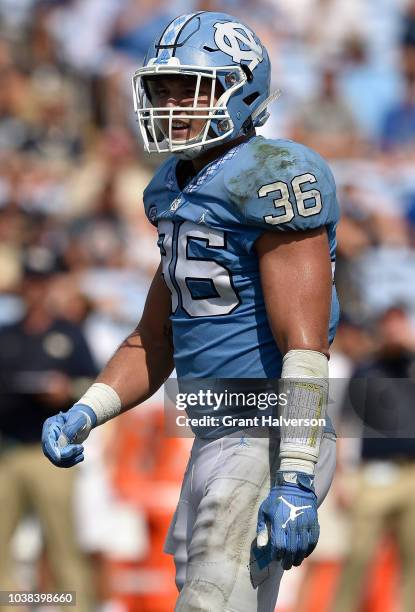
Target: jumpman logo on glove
column 294, row 511
column 288, row 528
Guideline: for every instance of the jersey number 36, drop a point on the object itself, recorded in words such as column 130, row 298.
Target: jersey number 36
column 301, row 197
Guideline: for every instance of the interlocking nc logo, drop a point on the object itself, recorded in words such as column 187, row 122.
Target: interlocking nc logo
column 231, row 36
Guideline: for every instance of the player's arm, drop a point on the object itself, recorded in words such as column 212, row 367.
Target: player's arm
column 137, row 369
column 296, row 279
column 297, row 283
column 145, row 359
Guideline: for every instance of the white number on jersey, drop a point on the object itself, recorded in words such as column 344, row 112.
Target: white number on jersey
column 179, row 268
column 285, row 203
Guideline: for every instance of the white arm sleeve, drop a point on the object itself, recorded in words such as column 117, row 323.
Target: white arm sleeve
column 305, row 381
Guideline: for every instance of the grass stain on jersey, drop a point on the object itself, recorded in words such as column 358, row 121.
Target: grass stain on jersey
column 269, row 158
column 280, row 156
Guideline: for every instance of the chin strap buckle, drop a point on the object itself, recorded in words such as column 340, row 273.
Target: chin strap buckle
column 259, row 120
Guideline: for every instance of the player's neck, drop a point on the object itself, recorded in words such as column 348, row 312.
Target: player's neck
column 211, row 154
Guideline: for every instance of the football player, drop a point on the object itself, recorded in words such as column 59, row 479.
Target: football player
column 244, row 290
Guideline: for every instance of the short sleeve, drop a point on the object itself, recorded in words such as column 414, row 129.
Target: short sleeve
column 285, row 187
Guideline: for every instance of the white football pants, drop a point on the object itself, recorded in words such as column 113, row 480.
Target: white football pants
column 214, row 526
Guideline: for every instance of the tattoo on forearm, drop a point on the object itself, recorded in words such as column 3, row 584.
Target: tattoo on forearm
column 131, row 340
column 134, row 340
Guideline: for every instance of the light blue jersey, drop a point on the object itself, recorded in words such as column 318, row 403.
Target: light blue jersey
column 207, row 234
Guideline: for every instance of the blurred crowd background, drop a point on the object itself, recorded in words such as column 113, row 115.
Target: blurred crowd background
column 77, row 256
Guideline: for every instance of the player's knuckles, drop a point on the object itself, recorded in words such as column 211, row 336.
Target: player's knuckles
column 50, row 451
column 73, row 426
column 292, row 541
column 287, row 562
column 70, row 461
column 302, row 528
column 51, row 429
column 70, row 452
column 303, row 542
column 279, row 543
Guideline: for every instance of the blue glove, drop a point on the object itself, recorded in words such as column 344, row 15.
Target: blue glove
column 63, row 434
column 290, row 514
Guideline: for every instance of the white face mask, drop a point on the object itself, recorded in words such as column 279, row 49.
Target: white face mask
column 156, row 123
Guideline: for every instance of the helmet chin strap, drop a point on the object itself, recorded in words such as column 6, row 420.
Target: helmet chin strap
column 190, row 153
column 257, row 121
column 197, row 150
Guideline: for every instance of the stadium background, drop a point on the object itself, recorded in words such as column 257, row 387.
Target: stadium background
column 72, row 174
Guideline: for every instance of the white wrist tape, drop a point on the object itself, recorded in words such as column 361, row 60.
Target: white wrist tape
column 103, row 400
column 307, row 390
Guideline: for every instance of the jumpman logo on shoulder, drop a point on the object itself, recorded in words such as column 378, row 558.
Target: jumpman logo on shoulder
column 202, row 217
column 295, row 511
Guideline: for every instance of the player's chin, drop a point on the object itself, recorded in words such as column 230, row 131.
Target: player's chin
column 183, row 136
column 180, row 135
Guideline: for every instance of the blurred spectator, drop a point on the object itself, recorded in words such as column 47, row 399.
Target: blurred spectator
column 334, row 27
column 55, row 130
column 352, row 346
column 398, row 130
column 408, row 26
column 407, row 40
column 375, row 266
column 41, row 360
column 325, row 122
column 81, row 30
column 383, row 500
column 13, row 85
column 101, row 233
